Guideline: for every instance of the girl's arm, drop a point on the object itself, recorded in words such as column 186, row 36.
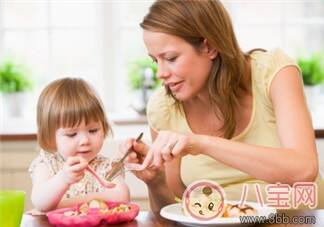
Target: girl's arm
column 48, row 190
column 119, row 193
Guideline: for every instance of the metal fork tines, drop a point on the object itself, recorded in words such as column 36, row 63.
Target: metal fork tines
column 118, row 167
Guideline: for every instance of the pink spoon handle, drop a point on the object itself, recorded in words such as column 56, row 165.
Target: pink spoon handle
column 102, row 182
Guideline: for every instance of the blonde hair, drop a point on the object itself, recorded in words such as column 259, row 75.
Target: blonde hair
column 194, row 21
column 66, row 103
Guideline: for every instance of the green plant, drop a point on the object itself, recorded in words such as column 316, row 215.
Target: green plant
column 136, row 73
column 312, row 68
column 14, row 77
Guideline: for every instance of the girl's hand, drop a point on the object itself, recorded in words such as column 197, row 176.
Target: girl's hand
column 135, row 159
column 169, row 145
column 73, row 170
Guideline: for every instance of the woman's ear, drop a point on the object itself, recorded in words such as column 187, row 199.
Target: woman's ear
column 209, row 50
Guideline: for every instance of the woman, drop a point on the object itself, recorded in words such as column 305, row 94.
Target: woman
column 224, row 115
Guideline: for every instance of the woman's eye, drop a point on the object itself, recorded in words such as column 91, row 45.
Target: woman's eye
column 93, row 130
column 71, row 134
column 171, row 59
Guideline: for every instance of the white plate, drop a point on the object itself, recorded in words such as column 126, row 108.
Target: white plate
column 174, row 212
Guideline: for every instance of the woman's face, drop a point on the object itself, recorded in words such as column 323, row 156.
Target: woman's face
column 180, row 66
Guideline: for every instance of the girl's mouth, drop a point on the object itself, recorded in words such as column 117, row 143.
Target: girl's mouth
column 84, row 152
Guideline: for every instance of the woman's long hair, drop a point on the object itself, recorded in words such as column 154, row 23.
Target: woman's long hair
column 194, row 21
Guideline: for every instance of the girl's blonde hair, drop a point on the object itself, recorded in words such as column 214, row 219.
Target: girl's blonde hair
column 194, row 21
column 66, row 103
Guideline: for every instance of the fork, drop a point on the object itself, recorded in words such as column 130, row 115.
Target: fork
column 117, row 168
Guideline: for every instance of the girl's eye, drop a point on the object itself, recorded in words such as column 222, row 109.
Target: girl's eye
column 93, row 130
column 197, row 204
column 71, row 134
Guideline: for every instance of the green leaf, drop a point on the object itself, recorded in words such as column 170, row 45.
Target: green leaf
column 136, row 73
column 14, row 77
column 312, row 68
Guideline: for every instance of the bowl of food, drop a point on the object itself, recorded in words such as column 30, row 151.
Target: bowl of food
column 94, row 213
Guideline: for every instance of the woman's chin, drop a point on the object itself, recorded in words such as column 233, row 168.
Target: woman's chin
column 182, row 97
column 179, row 98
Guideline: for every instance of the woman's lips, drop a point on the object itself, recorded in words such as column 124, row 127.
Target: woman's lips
column 175, row 87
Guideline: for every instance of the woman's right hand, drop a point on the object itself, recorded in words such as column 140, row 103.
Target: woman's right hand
column 134, row 162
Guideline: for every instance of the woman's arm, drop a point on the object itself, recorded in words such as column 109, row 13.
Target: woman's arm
column 296, row 160
column 173, row 176
column 160, row 192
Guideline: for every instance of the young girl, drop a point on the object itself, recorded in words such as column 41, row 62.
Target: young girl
column 72, row 127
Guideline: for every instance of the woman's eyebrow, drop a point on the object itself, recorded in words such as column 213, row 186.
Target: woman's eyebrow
column 161, row 54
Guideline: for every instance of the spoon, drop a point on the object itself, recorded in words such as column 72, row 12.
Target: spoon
column 99, row 179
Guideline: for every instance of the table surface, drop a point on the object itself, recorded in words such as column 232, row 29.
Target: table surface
column 149, row 219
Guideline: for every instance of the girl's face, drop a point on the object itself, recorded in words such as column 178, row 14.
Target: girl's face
column 180, row 66
column 82, row 140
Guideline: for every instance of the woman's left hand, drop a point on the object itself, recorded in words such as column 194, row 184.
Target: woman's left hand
column 169, row 145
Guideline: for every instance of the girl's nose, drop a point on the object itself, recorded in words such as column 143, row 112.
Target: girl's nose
column 84, row 138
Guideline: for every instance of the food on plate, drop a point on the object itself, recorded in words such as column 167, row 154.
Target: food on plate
column 120, row 208
column 97, row 204
column 84, row 207
column 236, row 210
column 93, row 213
column 73, row 213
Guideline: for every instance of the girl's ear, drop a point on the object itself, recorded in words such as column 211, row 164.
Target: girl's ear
column 209, row 50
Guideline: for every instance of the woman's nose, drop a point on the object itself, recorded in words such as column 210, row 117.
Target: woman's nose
column 162, row 72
